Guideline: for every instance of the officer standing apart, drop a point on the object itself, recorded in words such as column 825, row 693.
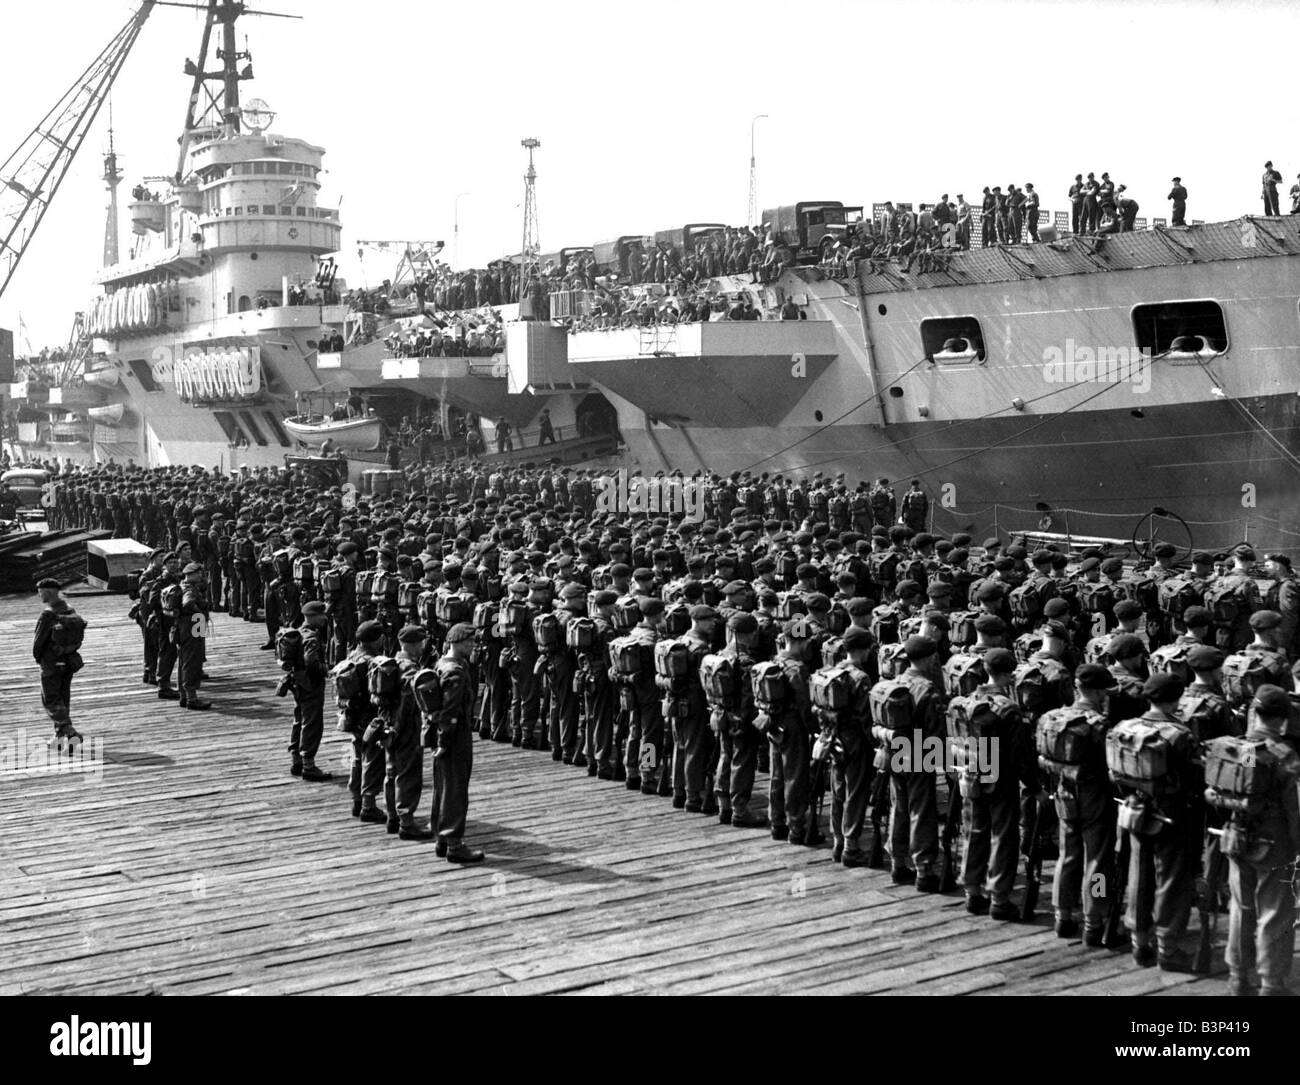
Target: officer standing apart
column 1179, row 195
column 59, row 633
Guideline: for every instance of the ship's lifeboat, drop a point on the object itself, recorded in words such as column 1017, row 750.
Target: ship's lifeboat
column 351, row 433
column 109, row 415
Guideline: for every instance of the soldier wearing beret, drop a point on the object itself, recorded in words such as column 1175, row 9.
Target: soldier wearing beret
column 639, row 704
column 403, row 753
column 449, row 733
column 56, row 649
column 731, row 716
column 851, row 754
column 190, row 633
column 1283, row 596
column 309, row 695
column 356, row 713
column 1158, row 821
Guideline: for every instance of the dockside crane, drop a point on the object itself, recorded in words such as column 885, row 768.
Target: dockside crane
column 30, row 177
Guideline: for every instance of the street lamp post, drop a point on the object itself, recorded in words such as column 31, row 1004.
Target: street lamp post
column 753, row 173
column 455, row 231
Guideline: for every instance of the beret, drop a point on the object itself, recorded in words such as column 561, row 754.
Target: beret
column 459, row 632
column 620, row 569
column 1126, row 609
column 572, row 591
column 919, row 647
column 816, row 601
column 764, row 565
column 936, row 618
column 348, row 547
column 1094, row 676
column 1163, row 687
column 1165, row 550
column 313, row 609
column 905, row 589
column 1281, row 559
column 192, row 567
column 48, row 582
column 1056, row 608
column 992, row 544
column 702, row 612
column 1042, row 557
column 924, row 538
column 1205, row 657
column 859, row 606
column 1265, row 619
column 1201, row 557
column 319, row 542
column 735, row 587
column 961, row 539
column 1111, row 566
column 990, row 624
column 650, row 607
column 1016, row 552
column 1245, row 552
column 412, row 634
column 642, row 574
column 1195, row 617
column 605, row 597
column 1055, row 629
column 806, row 570
column 999, row 661
column 368, row 632
column 518, row 587
column 1088, row 564
column 724, row 560
column 855, row 637
column 939, row 589
column 989, row 592
column 1125, row 646
column 1004, row 564
column 742, row 623
column 1272, row 701
column 541, row 583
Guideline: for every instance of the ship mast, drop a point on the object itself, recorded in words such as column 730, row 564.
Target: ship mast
column 218, row 111
column 530, row 262
column 112, row 178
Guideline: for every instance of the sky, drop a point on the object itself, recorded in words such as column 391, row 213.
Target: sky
column 645, row 114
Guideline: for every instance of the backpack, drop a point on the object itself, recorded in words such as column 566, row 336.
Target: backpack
column 581, row 634
column 409, row 594
column 133, row 583
column 1025, row 645
column 884, row 569
column 331, row 581
column 892, row 704
column 677, row 619
column 833, row 651
column 878, row 499
column 384, row 681
column 672, row 659
column 365, row 585
column 451, row 608
column 1172, row 659
column 961, row 629
column 1239, row 774
column 790, row 604
column 1040, row 685
column 304, row 571
column 972, row 719
column 1064, row 739
column 172, row 599
column 839, row 508
column 1175, row 594
column 837, row 620
column 68, row 633
column 349, row 678
column 832, row 689
column 1097, row 650
column 385, row 586
column 426, row 607
column 283, row 564
column 1202, row 712
column 626, row 613
column 1243, row 674
column 1026, row 603
column 515, row 618
column 787, row 565
column 721, row 682
column 770, row 686
column 962, row 674
column 546, row 631
column 1142, row 590
column 629, row 656
column 884, row 624
column 426, row 687
column 1097, row 598
column 288, row 649
column 892, row 660
column 1228, row 604
column 1139, row 755
column 486, row 616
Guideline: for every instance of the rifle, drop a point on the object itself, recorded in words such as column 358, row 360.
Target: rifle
column 820, row 763
column 1033, row 866
column 879, row 807
column 1111, row 934
column 951, row 828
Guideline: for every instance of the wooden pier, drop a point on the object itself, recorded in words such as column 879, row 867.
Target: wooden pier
column 188, row 860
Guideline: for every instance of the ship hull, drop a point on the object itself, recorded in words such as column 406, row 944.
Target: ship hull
column 1096, row 474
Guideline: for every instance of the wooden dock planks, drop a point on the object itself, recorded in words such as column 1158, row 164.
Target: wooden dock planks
column 196, row 864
